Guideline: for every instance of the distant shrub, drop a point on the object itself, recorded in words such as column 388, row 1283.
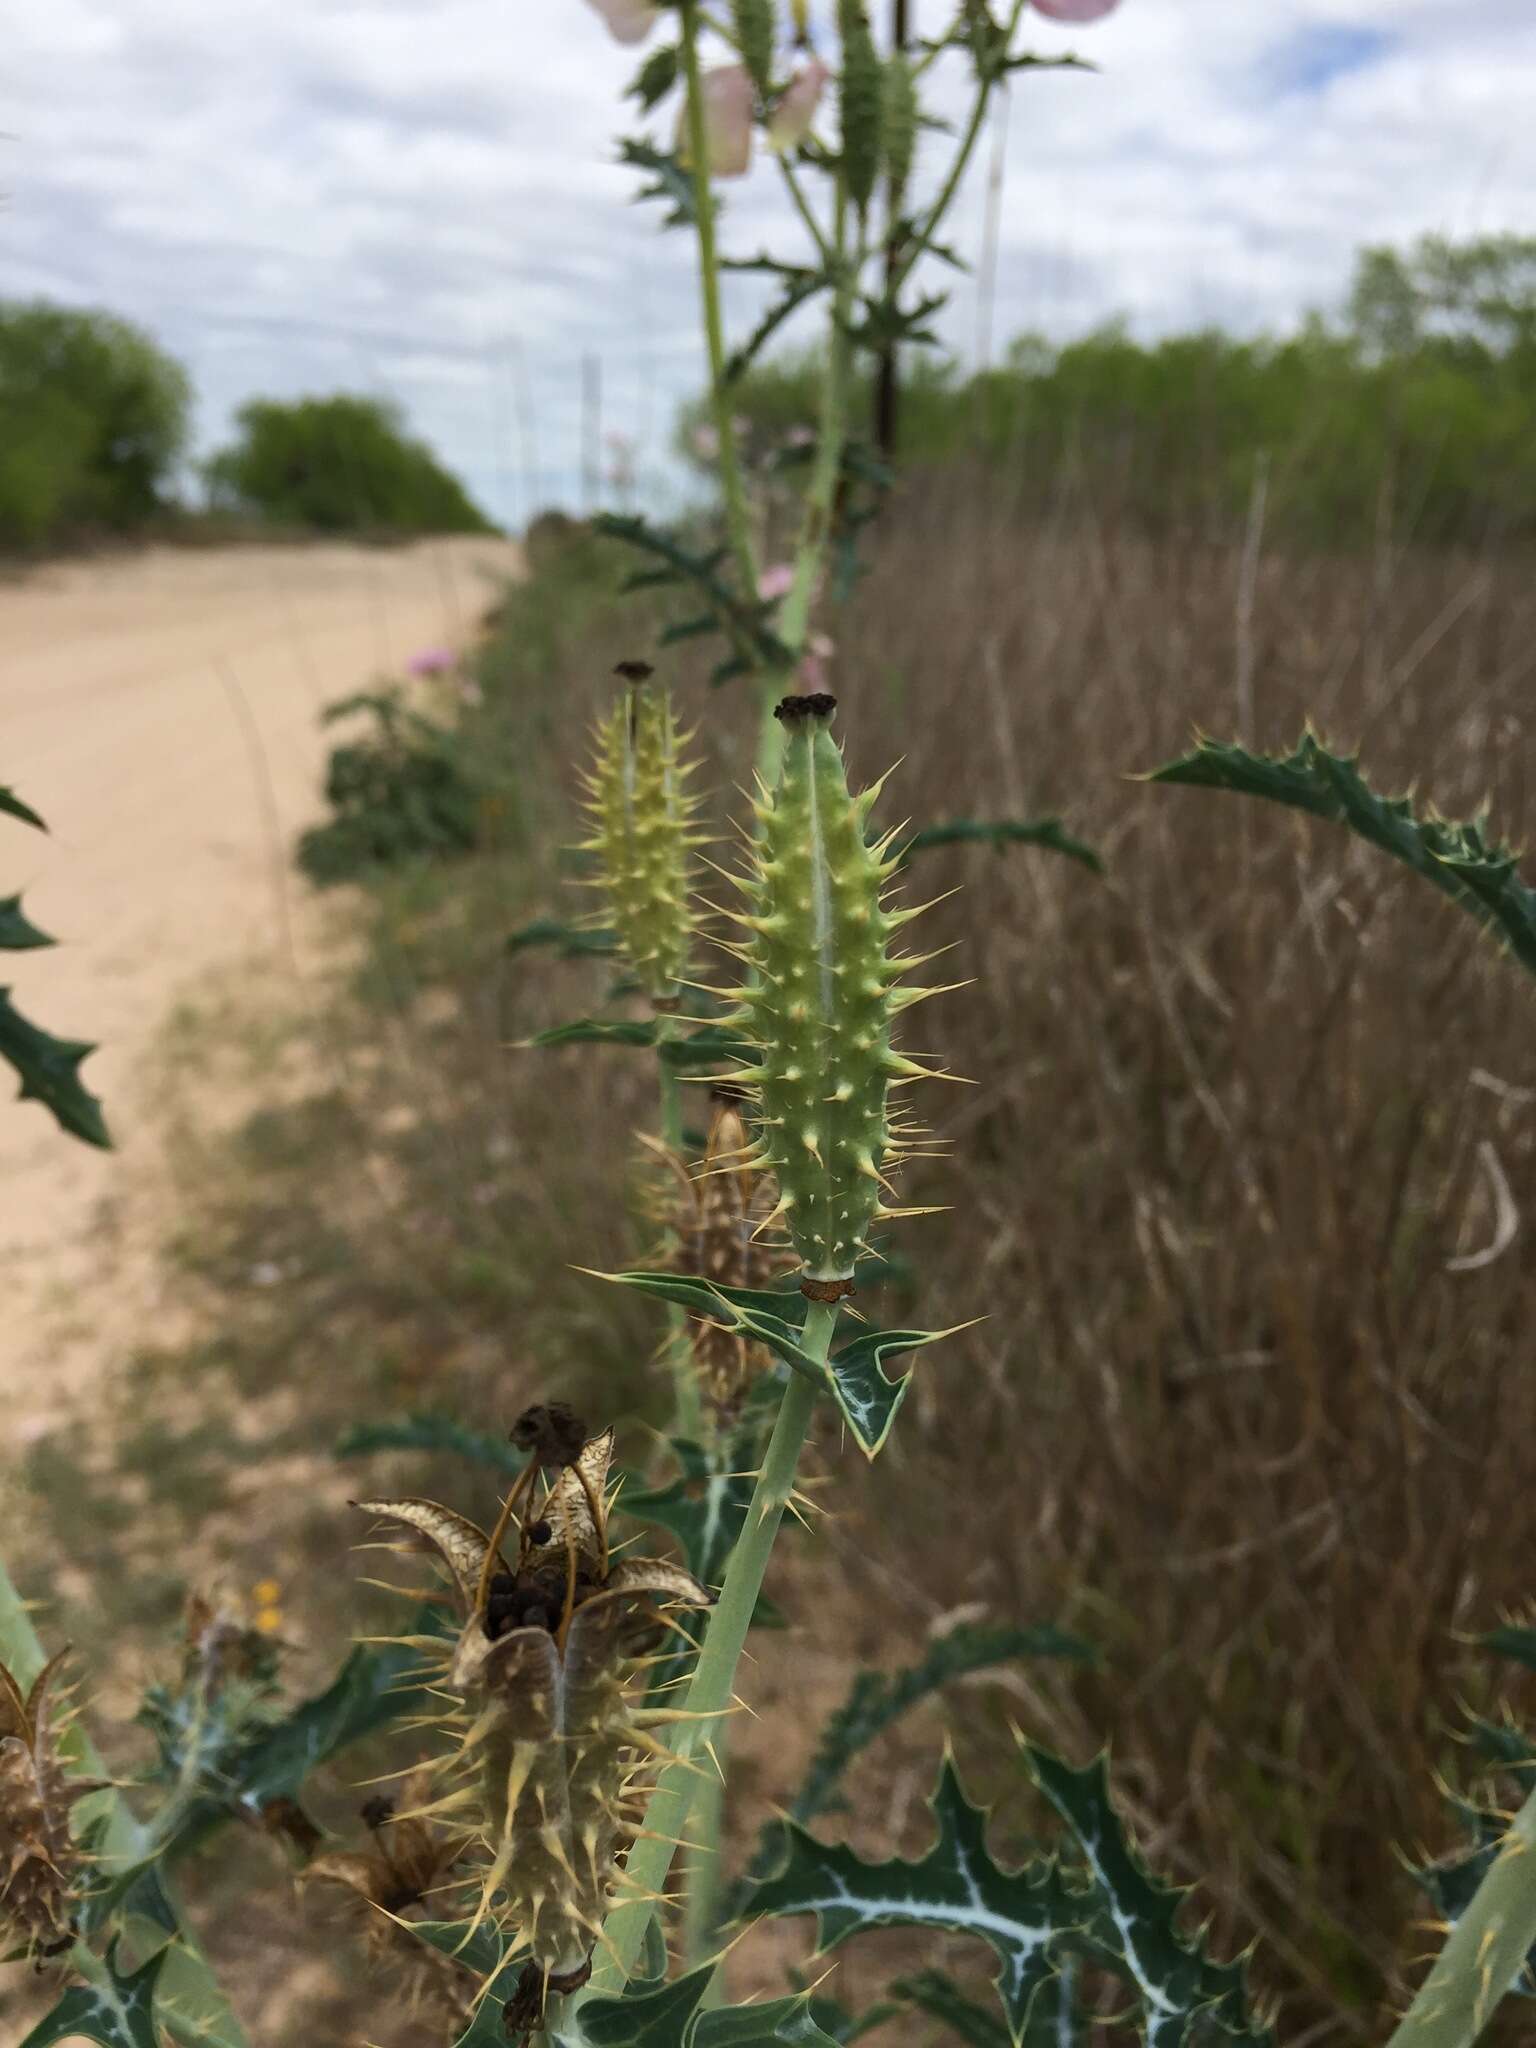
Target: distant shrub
column 405, row 793
column 1416, row 416
column 338, row 465
column 93, row 419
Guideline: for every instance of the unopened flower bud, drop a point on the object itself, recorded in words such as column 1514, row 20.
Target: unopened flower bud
column 629, row 21
column 790, row 121
column 1076, row 10
column 727, row 106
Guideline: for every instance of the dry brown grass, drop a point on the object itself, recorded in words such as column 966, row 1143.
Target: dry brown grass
column 1232, row 1414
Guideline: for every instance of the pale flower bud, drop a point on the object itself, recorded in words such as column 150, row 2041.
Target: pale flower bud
column 629, row 21
column 727, row 121
column 790, row 121
column 1076, row 10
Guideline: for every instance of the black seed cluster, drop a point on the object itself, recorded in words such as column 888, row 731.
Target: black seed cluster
column 552, row 1433
column 790, row 710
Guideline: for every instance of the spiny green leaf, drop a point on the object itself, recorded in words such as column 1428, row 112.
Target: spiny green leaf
column 868, row 1397
column 572, row 941
column 1048, row 832
column 118, row 2012
column 778, row 2023
column 655, row 78
column 1452, row 1883
column 942, row 1999
column 670, row 182
column 704, row 1048
column 49, row 1069
column 1501, row 1742
column 772, row 1319
column 18, row 934
column 744, row 618
column 703, row 1507
column 137, row 1892
column 878, row 1699
column 430, row 1433
column 1055, row 2020
column 654, row 2016
column 1020, row 1914
column 1134, row 1927
column 1460, row 860
column 599, row 1031
column 1518, row 1643
column 377, row 1684
column 800, row 286
column 12, row 806
column 886, row 324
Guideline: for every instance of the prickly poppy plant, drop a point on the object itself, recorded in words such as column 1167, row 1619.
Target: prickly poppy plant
column 552, row 1871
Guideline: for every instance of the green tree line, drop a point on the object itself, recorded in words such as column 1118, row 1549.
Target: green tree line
column 95, row 427
column 1413, row 414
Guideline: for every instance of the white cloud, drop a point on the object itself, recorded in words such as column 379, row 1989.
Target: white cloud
column 419, row 197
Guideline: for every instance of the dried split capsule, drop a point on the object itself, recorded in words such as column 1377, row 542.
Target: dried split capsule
column 40, row 1866
column 643, row 835
column 863, row 96
column 542, row 1762
column 719, row 1226
column 821, row 995
column 398, row 1877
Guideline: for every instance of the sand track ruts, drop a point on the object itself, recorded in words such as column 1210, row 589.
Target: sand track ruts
column 161, row 711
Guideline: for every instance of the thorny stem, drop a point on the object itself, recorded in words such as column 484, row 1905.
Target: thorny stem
column 960, row 163
column 187, row 1983
column 1484, row 1952
column 714, row 1678
column 737, row 519
column 821, row 495
column 702, row 1905
column 803, row 207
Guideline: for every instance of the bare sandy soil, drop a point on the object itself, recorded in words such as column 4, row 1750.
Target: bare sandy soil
column 161, row 711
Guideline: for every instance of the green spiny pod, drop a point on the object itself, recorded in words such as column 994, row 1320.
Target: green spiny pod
column 863, row 95
column 642, row 818
column 754, row 38
column 901, row 113
column 821, row 997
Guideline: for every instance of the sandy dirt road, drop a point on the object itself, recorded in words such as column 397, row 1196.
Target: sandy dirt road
column 161, row 712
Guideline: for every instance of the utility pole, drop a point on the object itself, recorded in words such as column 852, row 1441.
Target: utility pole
column 886, row 395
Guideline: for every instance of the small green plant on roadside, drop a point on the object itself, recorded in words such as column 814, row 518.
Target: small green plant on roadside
column 560, row 1690
column 403, row 793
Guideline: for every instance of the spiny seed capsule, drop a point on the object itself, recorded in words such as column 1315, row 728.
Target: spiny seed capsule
column 819, row 1002
column 863, row 95
column 541, row 1764
column 642, row 820
column 754, row 39
column 901, row 115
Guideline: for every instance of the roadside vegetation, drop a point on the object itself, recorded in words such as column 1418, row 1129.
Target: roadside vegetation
column 1254, row 1289
column 95, row 429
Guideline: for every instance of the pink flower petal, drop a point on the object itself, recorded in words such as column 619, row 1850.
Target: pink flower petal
column 777, row 580
column 629, row 21
column 727, row 121
column 790, row 121
column 1076, row 10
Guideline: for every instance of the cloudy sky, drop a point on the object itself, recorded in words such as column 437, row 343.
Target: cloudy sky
column 419, row 198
